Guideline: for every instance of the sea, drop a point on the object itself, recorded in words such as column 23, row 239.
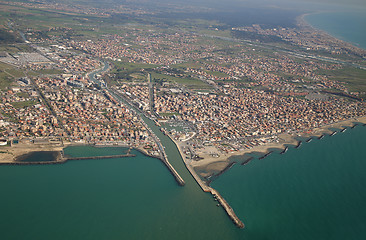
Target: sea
column 316, row 191
column 348, row 26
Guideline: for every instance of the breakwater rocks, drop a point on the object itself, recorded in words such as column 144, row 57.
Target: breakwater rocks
column 284, row 150
column 177, row 177
column 61, row 160
column 230, row 212
column 298, row 144
column 333, row 133
column 266, row 155
column 225, row 169
column 247, row 161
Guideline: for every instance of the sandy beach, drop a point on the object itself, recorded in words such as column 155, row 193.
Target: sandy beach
column 9, row 154
column 210, row 164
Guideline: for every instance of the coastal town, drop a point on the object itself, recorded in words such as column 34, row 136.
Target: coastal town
column 215, row 93
column 226, row 101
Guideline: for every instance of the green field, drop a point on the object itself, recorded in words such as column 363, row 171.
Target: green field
column 354, row 78
column 7, row 75
column 187, row 82
column 23, row 104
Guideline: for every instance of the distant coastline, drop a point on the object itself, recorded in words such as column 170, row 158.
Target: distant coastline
column 334, row 30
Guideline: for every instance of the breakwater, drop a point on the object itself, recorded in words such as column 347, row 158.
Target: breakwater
column 225, row 169
column 60, row 159
column 229, row 211
column 177, row 177
column 99, row 157
column 266, row 155
column 247, row 161
column 284, row 150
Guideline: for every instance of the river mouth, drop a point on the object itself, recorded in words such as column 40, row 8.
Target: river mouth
column 40, row 156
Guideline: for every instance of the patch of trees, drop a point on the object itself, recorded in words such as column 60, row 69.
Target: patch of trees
column 8, row 37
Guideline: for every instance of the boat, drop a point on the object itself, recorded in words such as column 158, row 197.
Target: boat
column 218, row 205
column 334, row 133
column 321, row 137
column 309, row 140
column 343, row 130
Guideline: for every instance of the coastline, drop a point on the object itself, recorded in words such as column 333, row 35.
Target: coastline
column 210, row 164
column 302, row 23
column 223, row 162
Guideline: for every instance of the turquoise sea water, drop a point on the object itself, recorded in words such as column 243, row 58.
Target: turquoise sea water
column 347, row 26
column 314, row 192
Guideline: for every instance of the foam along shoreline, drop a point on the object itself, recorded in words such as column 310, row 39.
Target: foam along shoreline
column 211, row 164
